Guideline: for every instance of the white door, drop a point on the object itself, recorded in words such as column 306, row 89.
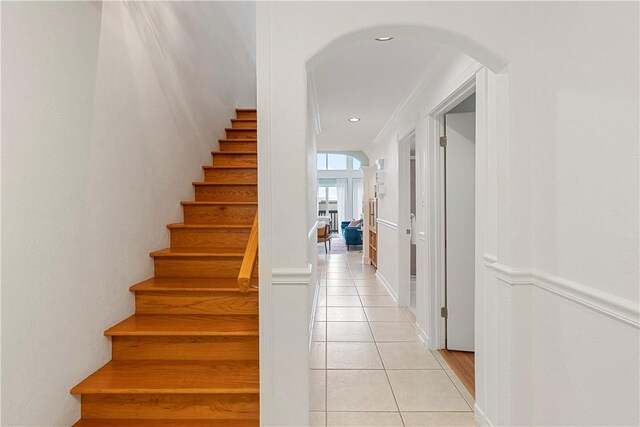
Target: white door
column 460, row 232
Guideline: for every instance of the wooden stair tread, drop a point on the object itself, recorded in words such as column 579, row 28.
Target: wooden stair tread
column 238, row 140
column 197, row 252
column 246, row 110
column 228, row 167
column 189, row 202
column 186, row 325
column 218, row 184
column 165, row 423
column 187, row 284
column 175, row 377
column 241, row 129
column 210, row 226
column 233, row 153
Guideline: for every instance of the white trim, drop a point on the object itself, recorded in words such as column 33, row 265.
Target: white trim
column 389, row 224
column 291, row 276
column 313, row 101
column 605, row 303
column 481, row 417
column 263, row 104
column 312, row 231
column 403, row 257
column 437, row 214
column 384, row 282
column 312, row 318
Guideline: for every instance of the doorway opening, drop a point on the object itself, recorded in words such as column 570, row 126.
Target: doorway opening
column 458, row 145
column 408, row 203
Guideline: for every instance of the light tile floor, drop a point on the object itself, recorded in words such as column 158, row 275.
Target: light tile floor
column 368, row 367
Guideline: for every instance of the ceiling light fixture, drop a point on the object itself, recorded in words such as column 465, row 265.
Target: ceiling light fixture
column 384, row 39
column 354, row 119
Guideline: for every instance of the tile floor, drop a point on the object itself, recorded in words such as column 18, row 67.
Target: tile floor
column 368, row 367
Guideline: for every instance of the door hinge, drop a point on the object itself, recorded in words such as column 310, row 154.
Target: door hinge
column 444, row 312
column 443, row 141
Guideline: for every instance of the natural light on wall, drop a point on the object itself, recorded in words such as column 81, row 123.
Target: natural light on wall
column 340, row 188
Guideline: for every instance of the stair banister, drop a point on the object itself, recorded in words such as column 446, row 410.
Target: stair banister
column 250, row 258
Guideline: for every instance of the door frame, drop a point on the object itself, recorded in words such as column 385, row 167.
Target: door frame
column 404, row 203
column 435, row 129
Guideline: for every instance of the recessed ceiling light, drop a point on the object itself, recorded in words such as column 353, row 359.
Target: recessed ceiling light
column 354, row 119
column 384, row 39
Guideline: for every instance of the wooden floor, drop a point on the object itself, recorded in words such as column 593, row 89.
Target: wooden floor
column 463, row 364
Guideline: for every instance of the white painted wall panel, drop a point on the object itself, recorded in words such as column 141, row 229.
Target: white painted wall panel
column 109, row 111
column 566, row 201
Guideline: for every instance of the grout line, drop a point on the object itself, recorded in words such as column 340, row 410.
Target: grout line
column 386, row 374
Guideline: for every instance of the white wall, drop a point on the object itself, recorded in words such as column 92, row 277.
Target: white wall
column 563, row 222
column 113, row 108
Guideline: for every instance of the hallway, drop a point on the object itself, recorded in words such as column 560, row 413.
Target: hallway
column 367, row 365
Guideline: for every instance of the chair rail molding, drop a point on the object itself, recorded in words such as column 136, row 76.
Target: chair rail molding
column 605, row 303
column 291, row 275
column 388, row 224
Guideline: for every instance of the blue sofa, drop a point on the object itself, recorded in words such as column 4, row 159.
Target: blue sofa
column 352, row 235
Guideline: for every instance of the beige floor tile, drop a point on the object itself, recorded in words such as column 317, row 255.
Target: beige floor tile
column 364, row 419
column 393, row 331
column 322, row 300
column 353, row 355
column 317, row 358
column 349, row 331
column 335, row 272
column 461, row 388
column 340, row 282
column 317, row 419
column 428, row 390
column 407, row 355
column 321, row 314
column 317, row 383
column 439, row 419
column 362, row 268
column 341, row 277
column 441, row 360
column 346, row 314
column 410, row 314
column 359, row 390
column 371, row 281
column 320, row 331
column 343, row 301
column 372, row 290
column 378, row 301
column 385, row 314
column 342, row 290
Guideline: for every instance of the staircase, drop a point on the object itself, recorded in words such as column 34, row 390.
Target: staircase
column 189, row 354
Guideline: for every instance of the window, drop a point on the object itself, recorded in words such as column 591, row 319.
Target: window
column 336, row 162
column 322, row 162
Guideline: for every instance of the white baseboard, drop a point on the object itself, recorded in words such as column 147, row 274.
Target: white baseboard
column 387, row 285
column 481, row 417
column 314, row 310
column 423, row 336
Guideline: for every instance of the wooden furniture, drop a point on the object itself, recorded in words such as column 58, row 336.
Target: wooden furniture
column 373, row 232
column 324, row 235
column 189, row 354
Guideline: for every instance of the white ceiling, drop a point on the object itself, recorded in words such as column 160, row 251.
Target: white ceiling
column 367, row 80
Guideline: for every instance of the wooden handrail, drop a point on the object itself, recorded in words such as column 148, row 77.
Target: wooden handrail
column 250, row 258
